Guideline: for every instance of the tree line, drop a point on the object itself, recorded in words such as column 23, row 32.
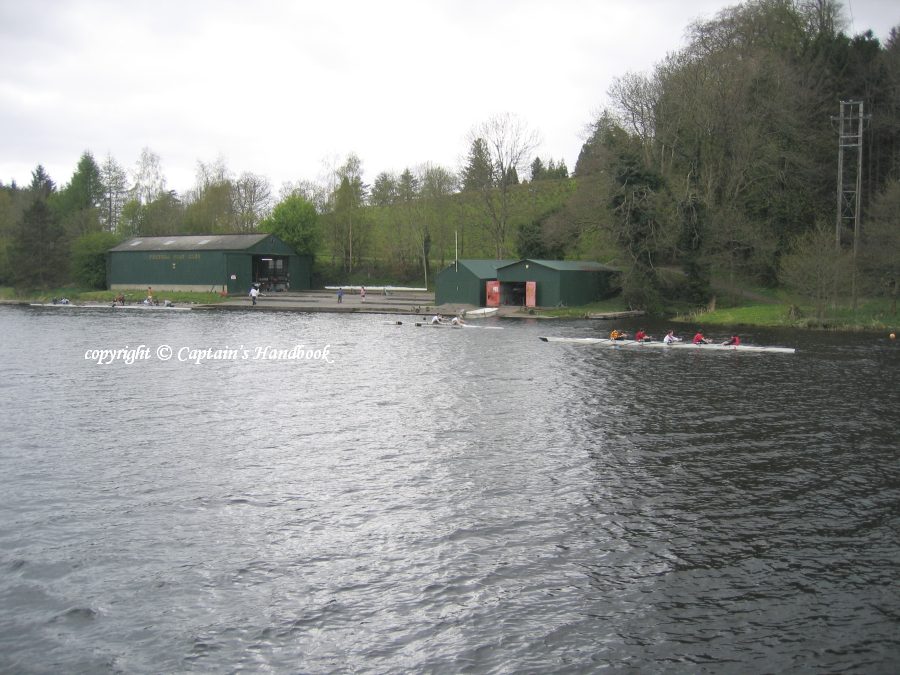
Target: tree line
column 719, row 163
column 399, row 226
column 724, row 159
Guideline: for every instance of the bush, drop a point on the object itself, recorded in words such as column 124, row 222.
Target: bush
column 89, row 258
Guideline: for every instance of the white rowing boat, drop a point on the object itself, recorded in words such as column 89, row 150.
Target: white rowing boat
column 633, row 345
column 153, row 307
column 481, row 313
column 428, row 324
column 145, row 308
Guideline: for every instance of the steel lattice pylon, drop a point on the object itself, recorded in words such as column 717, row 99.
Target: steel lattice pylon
column 850, row 147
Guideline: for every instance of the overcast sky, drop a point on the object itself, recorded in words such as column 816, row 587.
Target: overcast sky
column 286, row 89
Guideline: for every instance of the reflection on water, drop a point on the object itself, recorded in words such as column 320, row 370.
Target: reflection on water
column 442, row 500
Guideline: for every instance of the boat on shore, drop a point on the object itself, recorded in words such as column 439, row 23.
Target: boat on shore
column 142, row 307
column 678, row 346
column 480, row 313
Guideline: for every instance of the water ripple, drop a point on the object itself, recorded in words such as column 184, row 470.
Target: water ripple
column 442, row 501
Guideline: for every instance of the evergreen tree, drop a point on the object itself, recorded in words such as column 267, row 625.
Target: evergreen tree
column 412, row 225
column 39, row 251
column 640, row 231
column 408, row 187
column 384, row 190
column 691, row 245
column 77, row 203
column 41, row 185
column 530, row 242
column 478, row 174
column 10, row 212
column 557, row 171
column 85, row 190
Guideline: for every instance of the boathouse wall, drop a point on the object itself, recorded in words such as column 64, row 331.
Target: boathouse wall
column 559, row 283
column 218, row 263
column 463, row 281
column 567, row 283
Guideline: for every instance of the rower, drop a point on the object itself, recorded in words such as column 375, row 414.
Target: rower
column 640, row 336
column 436, row 319
column 699, row 339
column 670, row 338
column 733, row 342
column 617, row 335
column 457, row 321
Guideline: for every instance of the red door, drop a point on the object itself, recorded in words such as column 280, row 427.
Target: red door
column 531, row 294
column 493, row 293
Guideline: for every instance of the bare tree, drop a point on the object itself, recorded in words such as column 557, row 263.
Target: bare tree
column 251, row 198
column 635, row 98
column 313, row 192
column 349, row 233
column 815, row 268
column 437, row 186
column 881, row 244
column 115, row 193
column 509, row 144
column 212, row 173
column 149, row 182
column 209, row 206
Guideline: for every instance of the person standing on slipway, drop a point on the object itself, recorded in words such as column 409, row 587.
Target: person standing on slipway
column 254, row 293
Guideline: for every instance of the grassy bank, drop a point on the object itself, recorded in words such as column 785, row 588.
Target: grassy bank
column 81, row 295
column 616, row 304
column 870, row 315
column 760, row 307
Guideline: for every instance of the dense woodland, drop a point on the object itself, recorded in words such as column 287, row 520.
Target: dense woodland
column 719, row 166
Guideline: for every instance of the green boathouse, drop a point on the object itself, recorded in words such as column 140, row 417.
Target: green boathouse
column 529, row 283
column 464, row 281
column 555, row 283
column 217, row 262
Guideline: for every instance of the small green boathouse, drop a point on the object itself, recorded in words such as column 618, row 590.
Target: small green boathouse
column 464, row 281
column 529, row 283
column 555, row 283
column 217, row 262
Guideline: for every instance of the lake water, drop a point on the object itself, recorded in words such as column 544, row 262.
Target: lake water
column 426, row 500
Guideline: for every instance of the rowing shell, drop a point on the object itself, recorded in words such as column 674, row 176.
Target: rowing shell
column 455, row 325
column 437, row 325
column 633, row 344
column 145, row 308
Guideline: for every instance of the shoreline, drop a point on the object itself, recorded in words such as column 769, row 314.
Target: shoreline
column 413, row 302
